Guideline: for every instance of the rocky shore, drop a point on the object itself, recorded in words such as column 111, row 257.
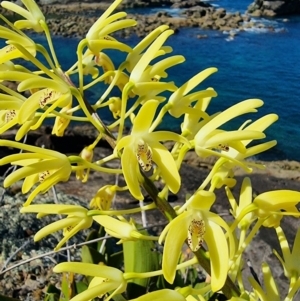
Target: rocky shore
column 274, row 8
column 74, row 19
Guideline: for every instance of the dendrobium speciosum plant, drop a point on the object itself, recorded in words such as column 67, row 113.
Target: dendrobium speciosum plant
column 195, row 239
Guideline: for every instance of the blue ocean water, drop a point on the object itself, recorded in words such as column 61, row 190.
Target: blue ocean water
column 255, row 64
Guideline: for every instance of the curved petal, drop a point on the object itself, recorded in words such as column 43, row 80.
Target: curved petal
column 177, row 234
column 166, row 136
column 277, row 200
column 118, row 25
column 56, row 226
column 89, row 269
column 190, row 85
column 116, row 227
column 160, row 67
column 243, row 107
column 16, row 9
column 101, row 20
column 133, row 57
column 124, row 141
column 29, row 182
column 80, row 225
column 98, row 45
column 31, row 169
column 53, row 209
column 161, row 295
column 148, row 56
column 131, row 172
column 167, row 166
column 261, row 124
column 144, row 118
column 228, row 136
column 219, row 257
column 153, row 88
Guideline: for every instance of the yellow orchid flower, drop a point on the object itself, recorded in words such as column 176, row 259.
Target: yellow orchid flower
column 122, row 229
column 197, row 225
column 209, row 136
column 137, row 52
column 61, row 123
column 11, row 52
column 106, row 279
column 179, row 102
column 33, row 14
column 244, row 200
column 142, row 78
column 271, row 206
column 289, row 258
column 86, row 154
column 9, row 108
column 161, row 295
column 55, row 93
column 223, row 169
column 104, row 197
column 104, row 61
column 271, row 289
column 141, row 148
column 38, row 165
column 98, row 36
column 115, row 106
column 191, row 123
column 89, row 62
column 76, row 220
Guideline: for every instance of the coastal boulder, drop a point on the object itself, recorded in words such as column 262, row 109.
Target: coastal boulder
column 274, row 8
column 189, row 4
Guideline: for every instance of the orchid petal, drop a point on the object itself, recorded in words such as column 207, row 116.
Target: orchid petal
column 167, row 166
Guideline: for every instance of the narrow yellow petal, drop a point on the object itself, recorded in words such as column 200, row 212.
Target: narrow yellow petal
column 149, row 55
column 175, row 238
column 89, row 269
column 56, row 226
column 167, row 166
column 218, row 252
column 131, row 172
column 16, row 8
column 144, row 118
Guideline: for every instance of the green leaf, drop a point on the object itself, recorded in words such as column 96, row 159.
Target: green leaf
column 139, row 257
column 5, row 298
column 90, row 255
column 93, row 235
column 52, row 289
column 64, row 288
column 81, row 287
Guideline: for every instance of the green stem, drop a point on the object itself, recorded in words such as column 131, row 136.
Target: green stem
column 121, row 212
column 180, row 266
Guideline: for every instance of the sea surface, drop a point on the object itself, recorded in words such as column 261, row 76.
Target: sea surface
column 254, row 64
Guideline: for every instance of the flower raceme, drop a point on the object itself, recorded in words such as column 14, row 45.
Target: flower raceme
column 143, row 76
column 142, row 148
column 38, row 165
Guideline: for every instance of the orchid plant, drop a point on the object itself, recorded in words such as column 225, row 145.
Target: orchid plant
column 142, row 98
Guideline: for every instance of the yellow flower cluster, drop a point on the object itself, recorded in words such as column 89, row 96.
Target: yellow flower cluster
column 145, row 160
